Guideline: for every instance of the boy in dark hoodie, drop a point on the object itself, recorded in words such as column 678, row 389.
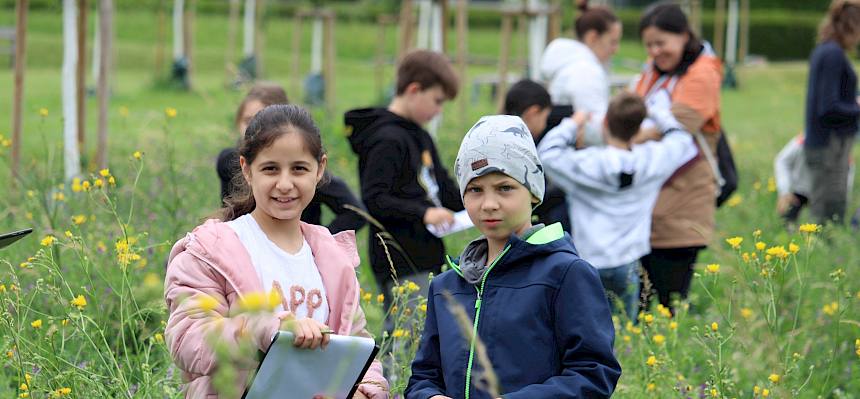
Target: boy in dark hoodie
column 403, row 183
column 539, row 310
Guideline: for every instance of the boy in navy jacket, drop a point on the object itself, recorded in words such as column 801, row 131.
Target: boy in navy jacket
column 539, row 309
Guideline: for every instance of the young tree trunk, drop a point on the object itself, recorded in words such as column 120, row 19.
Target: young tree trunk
column 106, row 44
column 20, row 66
column 81, row 84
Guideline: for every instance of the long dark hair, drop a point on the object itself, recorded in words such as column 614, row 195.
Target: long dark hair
column 598, row 19
column 268, row 125
column 841, row 23
column 669, row 17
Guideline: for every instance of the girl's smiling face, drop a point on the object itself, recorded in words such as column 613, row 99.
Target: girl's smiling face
column 283, row 176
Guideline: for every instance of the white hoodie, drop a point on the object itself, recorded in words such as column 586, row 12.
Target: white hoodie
column 576, row 77
column 612, row 224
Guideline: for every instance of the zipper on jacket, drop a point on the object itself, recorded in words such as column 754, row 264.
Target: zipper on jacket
column 477, row 316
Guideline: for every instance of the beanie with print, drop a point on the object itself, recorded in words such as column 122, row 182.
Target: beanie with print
column 500, row 143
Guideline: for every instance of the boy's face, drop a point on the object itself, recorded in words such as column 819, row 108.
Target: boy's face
column 498, row 206
column 535, row 119
column 423, row 104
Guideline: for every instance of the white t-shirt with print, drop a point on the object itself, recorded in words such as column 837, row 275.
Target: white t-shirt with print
column 296, row 274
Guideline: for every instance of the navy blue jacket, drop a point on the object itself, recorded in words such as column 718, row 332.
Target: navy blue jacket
column 831, row 96
column 543, row 317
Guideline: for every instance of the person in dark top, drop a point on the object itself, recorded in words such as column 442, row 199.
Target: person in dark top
column 403, row 183
column 334, row 193
column 832, row 110
column 531, row 102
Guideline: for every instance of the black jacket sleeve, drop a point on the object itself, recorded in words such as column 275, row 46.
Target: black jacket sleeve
column 335, row 194
column 385, row 160
column 449, row 191
column 833, row 109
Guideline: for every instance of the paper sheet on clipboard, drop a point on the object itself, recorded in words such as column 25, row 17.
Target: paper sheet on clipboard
column 461, row 222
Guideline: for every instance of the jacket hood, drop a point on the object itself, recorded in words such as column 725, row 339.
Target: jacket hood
column 362, row 125
column 537, row 241
column 561, row 53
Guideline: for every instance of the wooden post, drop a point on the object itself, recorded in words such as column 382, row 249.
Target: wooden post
column 443, row 4
column 382, row 23
column 504, row 54
column 20, row 66
column 555, row 16
column 258, row 37
column 106, row 44
column 81, row 77
column 406, row 29
column 297, row 42
column 719, row 27
column 232, row 23
column 161, row 36
column 462, row 50
column 188, row 39
column 71, row 154
column 329, row 60
column 696, row 16
column 744, row 46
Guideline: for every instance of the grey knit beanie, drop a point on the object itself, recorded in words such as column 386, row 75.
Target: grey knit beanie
column 500, row 143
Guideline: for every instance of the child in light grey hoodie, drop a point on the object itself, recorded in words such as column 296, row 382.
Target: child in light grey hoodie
column 612, row 190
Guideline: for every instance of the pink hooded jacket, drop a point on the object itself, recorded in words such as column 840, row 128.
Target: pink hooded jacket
column 212, row 261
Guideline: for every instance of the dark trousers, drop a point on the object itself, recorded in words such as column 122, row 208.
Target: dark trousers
column 793, row 212
column 668, row 272
column 828, row 167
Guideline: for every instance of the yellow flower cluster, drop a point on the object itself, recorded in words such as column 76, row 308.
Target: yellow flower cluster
column 712, row 268
column 206, row 303
column 774, row 378
column 125, row 253
column 170, row 112
column 735, row 242
column 79, row 302
column 48, row 240
column 651, row 361
column 260, row 301
column 400, row 333
column 4, row 142
column 831, row 308
column 60, row 392
column 777, row 251
column 809, row 228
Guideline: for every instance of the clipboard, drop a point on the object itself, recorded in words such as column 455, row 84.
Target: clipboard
column 8, row 238
column 290, row 372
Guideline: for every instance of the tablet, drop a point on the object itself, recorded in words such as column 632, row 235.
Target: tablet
column 333, row 372
column 8, row 238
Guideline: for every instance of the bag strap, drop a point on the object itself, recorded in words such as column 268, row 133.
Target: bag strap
column 709, row 156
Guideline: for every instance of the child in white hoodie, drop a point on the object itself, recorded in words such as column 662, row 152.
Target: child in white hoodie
column 611, row 190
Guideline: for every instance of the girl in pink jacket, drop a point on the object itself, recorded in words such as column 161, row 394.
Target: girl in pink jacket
column 261, row 246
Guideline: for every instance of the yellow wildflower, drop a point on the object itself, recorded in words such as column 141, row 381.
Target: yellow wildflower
column 648, row 318
column 659, row 339
column 65, row 322
column 366, row 297
column 714, row 392
column 777, row 251
column 6, row 143
column 760, row 246
column 746, row 313
column 380, row 298
column 765, row 392
column 159, row 338
column 207, row 303
column 715, row 326
column 104, row 172
column 746, row 257
column 79, row 302
column 2, row 288
column 423, row 308
column 31, row 193
column 400, row 333
column 123, row 111
column 137, row 155
column 809, row 228
column 10, row 354
column 48, row 240
column 771, row 185
column 831, row 308
column 111, row 181
column 98, row 183
column 76, row 185
column 734, row 200
column 735, row 242
column 651, row 361
column 412, row 287
column 170, row 112
column 59, row 196
column 24, row 395
column 793, row 248
column 626, row 338
column 650, row 387
column 774, row 378
column 713, row 268
column 69, row 234
column 24, row 386
column 85, row 185
column 756, row 390
column 43, row 112
column 65, row 391
column 36, row 323
column 757, row 233
column 79, row 219
column 673, row 325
